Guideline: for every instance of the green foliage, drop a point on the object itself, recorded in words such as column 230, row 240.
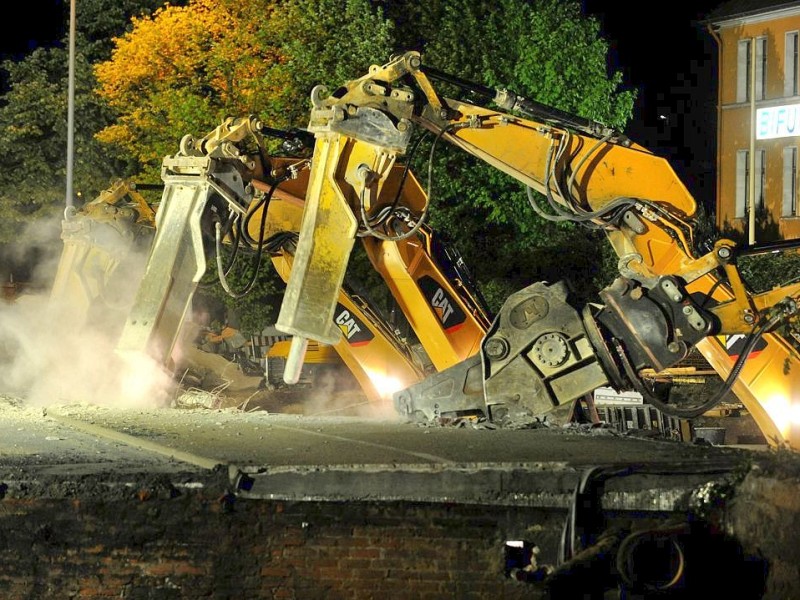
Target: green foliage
column 100, row 21
column 258, row 307
column 33, row 140
column 546, row 51
column 763, row 272
column 182, row 69
column 326, row 42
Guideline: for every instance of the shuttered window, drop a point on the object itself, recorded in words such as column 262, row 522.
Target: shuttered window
column 790, row 64
column 789, row 205
column 742, row 182
column 743, row 71
column 761, row 68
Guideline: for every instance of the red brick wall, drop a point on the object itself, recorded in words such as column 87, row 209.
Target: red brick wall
column 197, row 546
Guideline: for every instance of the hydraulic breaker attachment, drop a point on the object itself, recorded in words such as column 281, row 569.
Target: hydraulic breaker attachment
column 327, row 234
column 373, row 351
column 92, row 251
column 100, row 253
column 177, row 258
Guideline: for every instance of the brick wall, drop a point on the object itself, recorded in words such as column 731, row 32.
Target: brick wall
column 195, row 545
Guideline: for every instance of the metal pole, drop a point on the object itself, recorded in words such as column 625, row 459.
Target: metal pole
column 71, row 103
column 751, row 204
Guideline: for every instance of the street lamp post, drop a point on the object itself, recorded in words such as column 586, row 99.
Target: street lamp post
column 751, row 192
column 71, row 103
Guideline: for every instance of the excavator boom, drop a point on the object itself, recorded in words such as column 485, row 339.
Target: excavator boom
column 541, row 352
column 220, row 181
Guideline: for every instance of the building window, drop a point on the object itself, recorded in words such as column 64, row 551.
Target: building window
column 789, row 181
column 761, row 68
column 743, row 181
column 743, row 70
column 790, row 64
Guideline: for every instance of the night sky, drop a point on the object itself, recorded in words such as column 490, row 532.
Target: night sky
column 33, row 23
column 652, row 57
column 671, row 60
column 669, row 51
column 649, row 55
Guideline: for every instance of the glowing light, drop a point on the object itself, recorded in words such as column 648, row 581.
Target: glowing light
column 782, row 412
column 386, row 385
column 794, row 413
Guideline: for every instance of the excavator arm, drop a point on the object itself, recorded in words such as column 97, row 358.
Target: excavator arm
column 225, row 189
column 100, row 243
column 541, row 352
column 378, row 358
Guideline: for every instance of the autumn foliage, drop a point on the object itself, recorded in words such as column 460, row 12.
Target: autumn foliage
column 183, row 69
column 186, row 67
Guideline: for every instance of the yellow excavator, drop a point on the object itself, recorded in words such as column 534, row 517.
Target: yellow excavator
column 99, row 243
column 428, row 280
column 541, row 352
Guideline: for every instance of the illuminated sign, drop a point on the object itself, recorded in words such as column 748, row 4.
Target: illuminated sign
column 778, row 121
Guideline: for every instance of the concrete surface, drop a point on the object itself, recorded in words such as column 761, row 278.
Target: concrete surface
column 56, row 460
column 292, row 457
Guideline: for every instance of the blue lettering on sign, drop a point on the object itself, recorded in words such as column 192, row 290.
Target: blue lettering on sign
column 777, row 121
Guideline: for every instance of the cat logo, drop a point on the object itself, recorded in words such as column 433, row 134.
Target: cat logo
column 442, row 302
column 356, row 333
column 449, row 313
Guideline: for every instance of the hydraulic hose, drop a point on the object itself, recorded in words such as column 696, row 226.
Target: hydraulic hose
column 259, row 254
column 693, row 412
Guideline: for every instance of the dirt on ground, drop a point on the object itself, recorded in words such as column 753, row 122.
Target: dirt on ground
column 212, row 381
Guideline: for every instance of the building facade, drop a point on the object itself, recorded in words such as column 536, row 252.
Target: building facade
column 758, row 118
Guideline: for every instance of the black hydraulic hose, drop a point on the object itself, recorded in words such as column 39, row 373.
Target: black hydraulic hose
column 403, row 178
column 263, row 202
column 423, row 216
column 259, row 253
column 584, row 218
column 281, row 241
column 617, row 204
column 691, row 413
column 508, row 100
column 294, row 139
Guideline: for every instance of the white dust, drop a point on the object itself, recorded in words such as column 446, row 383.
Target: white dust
column 60, row 349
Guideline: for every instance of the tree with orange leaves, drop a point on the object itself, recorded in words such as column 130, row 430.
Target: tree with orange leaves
column 183, row 69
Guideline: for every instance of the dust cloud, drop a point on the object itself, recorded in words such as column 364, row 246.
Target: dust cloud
column 58, row 338
column 57, row 345
column 336, row 394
